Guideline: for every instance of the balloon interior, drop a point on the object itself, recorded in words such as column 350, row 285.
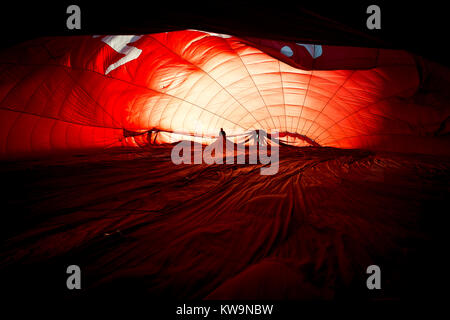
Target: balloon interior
column 141, row 159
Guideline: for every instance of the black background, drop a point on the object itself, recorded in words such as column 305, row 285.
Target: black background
column 420, row 27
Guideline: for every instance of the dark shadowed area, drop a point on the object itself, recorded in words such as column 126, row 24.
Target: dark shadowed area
column 138, row 225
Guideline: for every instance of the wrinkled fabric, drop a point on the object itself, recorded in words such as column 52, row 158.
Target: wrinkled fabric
column 139, row 225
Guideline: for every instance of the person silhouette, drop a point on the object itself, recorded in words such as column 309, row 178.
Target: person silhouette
column 223, row 133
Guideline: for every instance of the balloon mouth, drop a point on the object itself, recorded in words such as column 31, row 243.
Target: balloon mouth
column 160, row 137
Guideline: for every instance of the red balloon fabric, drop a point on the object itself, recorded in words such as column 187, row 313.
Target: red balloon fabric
column 72, row 93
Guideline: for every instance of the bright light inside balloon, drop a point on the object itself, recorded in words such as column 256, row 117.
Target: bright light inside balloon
column 85, row 92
